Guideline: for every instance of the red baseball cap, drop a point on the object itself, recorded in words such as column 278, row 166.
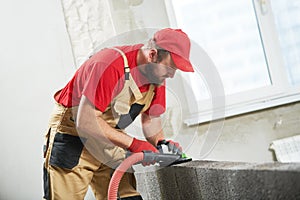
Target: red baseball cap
column 178, row 44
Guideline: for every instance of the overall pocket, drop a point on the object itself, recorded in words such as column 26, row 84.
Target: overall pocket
column 66, row 150
column 46, row 142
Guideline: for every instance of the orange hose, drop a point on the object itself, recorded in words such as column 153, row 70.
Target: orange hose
column 116, row 178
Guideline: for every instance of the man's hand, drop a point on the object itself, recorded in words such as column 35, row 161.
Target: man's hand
column 173, row 147
column 140, row 145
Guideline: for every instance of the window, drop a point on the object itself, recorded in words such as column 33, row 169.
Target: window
column 255, row 47
column 287, row 21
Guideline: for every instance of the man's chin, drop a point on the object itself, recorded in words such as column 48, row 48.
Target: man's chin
column 157, row 82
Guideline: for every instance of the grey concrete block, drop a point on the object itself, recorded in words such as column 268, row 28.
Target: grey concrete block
column 226, row 180
column 168, row 183
column 188, row 185
column 148, row 185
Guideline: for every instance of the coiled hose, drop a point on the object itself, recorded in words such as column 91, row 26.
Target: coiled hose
column 118, row 174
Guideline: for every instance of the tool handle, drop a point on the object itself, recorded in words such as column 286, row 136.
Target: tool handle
column 160, row 158
column 159, row 145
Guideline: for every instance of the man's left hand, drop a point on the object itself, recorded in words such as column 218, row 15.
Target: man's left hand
column 173, row 147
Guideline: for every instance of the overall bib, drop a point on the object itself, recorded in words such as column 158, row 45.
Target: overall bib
column 74, row 161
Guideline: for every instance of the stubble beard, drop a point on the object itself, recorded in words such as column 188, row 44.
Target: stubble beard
column 150, row 75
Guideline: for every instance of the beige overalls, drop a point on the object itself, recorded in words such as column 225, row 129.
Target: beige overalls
column 74, row 161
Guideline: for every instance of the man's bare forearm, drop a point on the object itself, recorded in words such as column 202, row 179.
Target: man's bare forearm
column 90, row 122
column 152, row 129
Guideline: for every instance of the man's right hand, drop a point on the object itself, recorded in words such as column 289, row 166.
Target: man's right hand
column 140, row 145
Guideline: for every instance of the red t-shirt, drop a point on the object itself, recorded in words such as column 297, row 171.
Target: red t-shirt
column 101, row 78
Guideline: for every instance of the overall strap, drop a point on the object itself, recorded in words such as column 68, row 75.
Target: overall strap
column 122, row 100
column 126, row 66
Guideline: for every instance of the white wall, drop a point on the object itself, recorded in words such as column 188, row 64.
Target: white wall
column 35, row 60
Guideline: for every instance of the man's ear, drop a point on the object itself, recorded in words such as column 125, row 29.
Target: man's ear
column 153, row 54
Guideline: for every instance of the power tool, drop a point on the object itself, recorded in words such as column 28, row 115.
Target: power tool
column 164, row 158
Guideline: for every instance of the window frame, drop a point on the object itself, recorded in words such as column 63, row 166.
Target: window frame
column 280, row 92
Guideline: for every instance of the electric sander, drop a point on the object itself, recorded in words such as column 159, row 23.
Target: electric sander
column 165, row 157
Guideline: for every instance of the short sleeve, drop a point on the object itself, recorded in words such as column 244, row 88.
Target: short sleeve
column 102, row 85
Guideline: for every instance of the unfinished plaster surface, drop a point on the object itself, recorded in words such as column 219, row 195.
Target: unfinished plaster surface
column 88, row 24
column 248, row 137
column 91, row 23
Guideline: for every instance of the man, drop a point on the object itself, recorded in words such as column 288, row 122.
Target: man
column 86, row 138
